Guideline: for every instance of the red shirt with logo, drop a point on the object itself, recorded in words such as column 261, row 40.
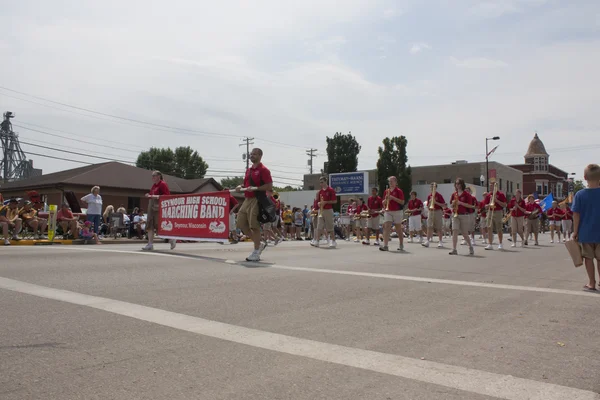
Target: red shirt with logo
column 374, row 203
column 554, row 214
column 533, row 206
column 499, row 197
column 397, row 193
column 517, row 212
column 260, row 175
column 568, row 213
column 160, row 189
column 415, row 205
column 438, row 198
column 328, row 194
column 360, row 208
column 464, row 197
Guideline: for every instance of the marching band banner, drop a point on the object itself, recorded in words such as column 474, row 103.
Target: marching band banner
column 199, row 216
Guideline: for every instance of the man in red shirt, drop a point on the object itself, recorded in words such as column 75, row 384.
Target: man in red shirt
column 257, row 179
column 415, row 208
column 567, row 221
column 517, row 213
column 159, row 188
column 482, row 218
column 393, row 201
column 554, row 217
column 360, row 224
column 374, row 204
column 495, row 220
column 533, row 211
column 327, row 198
column 461, row 202
column 434, row 220
column 67, row 221
column 472, row 216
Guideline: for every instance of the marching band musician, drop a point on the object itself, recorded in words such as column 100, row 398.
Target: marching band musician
column 495, row 220
column 374, row 204
column 434, row 220
column 482, row 219
column 567, row 221
column 447, row 222
column 393, row 214
column 360, row 226
column 350, row 211
column 461, row 201
column 472, row 216
column 517, row 212
column 533, row 222
column 554, row 217
column 327, row 198
column 415, row 207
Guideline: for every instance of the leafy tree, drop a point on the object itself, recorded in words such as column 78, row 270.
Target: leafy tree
column 392, row 162
column 578, row 185
column 183, row 162
column 287, row 188
column 232, row 182
column 342, row 153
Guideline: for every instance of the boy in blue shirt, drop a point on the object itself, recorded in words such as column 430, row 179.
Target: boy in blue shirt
column 586, row 221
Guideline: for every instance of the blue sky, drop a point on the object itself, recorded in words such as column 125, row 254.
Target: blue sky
column 446, row 74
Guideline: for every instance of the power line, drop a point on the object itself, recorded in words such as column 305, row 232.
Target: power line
column 76, row 153
column 311, row 154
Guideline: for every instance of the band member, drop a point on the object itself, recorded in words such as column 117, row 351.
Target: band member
column 327, row 198
column 482, row 219
column 374, row 204
column 567, row 221
column 472, row 216
column 257, row 179
column 350, row 211
column 447, row 224
column 434, row 220
column 554, row 218
column 495, row 219
column 360, row 226
column 517, row 209
column 29, row 217
column 533, row 211
column 393, row 202
column 415, row 208
column 461, row 202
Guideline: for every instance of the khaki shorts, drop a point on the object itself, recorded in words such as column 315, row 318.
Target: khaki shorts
column 446, row 223
column 590, row 250
column 395, row 217
column 533, row 225
column 567, row 225
column 517, row 224
column 472, row 221
column 495, row 222
column 362, row 223
column 374, row 222
column 326, row 220
column 461, row 223
column 248, row 215
column 435, row 220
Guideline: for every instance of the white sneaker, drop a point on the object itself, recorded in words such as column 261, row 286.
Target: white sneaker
column 376, row 243
column 440, row 244
column 489, row 247
column 173, row 243
column 254, row 256
column 315, row 243
column 410, row 240
column 148, row 247
column 464, row 242
column 426, row 244
column 262, row 247
column 552, row 241
column 471, row 250
column 512, row 245
column 36, row 237
column 6, row 242
column 500, row 246
column 333, row 244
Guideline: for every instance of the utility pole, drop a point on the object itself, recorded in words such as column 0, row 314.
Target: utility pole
column 311, row 154
column 246, row 156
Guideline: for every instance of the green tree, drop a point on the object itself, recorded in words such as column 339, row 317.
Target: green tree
column 183, row 162
column 392, row 162
column 342, row 153
column 232, row 182
column 578, row 185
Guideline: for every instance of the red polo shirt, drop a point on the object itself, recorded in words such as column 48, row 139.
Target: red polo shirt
column 553, row 214
column 160, row 189
column 533, row 206
column 473, row 202
column 447, row 213
column 517, row 212
column 397, row 193
column 260, row 175
column 374, row 203
column 61, row 215
column 328, row 194
column 438, row 198
column 499, row 196
column 569, row 213
column 464, row 197
column 415, row 205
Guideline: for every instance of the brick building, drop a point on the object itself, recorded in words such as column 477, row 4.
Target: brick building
column 539, row 175
column 120, row 184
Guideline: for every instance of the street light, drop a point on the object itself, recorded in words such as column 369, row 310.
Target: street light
column 487, row 168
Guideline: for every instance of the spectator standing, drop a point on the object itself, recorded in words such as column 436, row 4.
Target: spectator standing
column 94, row 207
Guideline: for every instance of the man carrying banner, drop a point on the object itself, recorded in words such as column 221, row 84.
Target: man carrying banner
column 257, row 179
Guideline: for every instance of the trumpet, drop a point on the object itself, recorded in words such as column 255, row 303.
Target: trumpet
column 492, row 204
column 321, row 205
column 433, row 192
column 386, row 200
column 455, row 205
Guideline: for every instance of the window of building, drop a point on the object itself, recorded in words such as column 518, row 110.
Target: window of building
column 421, row 182
column 447, row 180
column 559, row 190
column 545, row 188
column 500, row 184
column 538, row 188
column 540, row 164
column 518, row 186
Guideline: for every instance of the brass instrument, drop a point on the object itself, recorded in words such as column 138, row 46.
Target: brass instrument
column 455, row 205
column 506, row 218
column 321, row 205
column 386, row 199
column 433, row 192
column 492, row 203
column 362, row 214
column 534, row 214
column 408, row 213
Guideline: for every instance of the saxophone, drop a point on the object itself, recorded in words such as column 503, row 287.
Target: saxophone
column 321, row 205
column 492, row 203
column 433, row 192
column 455, row 205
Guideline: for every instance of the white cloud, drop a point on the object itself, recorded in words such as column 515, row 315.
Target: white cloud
column 495, row 9
column 419, row 47
column 391, row 13
column 478, row 63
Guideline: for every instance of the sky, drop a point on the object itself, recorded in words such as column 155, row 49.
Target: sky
column 445, row 74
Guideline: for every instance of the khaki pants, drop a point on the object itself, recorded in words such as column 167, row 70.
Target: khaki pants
column 435, row 220
column 326, row 221
column 517, row 225
column 495, row 222
column 248, row 215
column 461, row 223
column 532, row 226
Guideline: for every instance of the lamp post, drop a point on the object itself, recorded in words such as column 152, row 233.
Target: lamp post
column 487, row 167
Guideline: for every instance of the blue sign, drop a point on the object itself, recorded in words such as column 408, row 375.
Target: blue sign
column 350, row 183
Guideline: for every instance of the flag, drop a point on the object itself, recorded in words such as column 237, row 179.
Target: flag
column 536, row 196
column 491, row 151
column 547, row 202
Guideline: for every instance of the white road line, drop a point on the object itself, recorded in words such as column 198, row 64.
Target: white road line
column 375, row 275
column 470, row 380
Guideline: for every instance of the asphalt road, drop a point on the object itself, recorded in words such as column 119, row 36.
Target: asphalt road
column 111, row 322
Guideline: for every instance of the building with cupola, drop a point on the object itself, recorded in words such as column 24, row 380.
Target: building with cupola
column 539, row 175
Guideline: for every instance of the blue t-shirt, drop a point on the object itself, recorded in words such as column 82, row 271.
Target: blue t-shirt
column 587, row 204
